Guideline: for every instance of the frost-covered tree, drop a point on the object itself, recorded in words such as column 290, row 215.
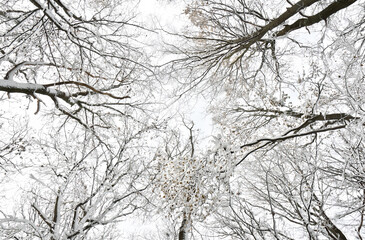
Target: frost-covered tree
column 287, row 84
column 188, row 184
column 79, row 55
column 285, row 81
column 77, row 188
column 73, row 88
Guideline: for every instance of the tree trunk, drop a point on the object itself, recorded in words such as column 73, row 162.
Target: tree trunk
column 182, row 230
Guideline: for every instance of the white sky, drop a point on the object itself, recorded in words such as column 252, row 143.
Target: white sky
column 170, row 16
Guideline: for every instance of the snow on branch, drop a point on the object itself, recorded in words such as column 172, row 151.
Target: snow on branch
column 45, row 89
column 32, row 88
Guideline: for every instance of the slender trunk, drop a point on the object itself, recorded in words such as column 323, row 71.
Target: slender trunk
column 183, row 227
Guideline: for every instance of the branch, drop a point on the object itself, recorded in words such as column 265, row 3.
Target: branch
column 285, row 137
column 310, row 118
column 9, row 75
column 44, row 218
column 84, row 85
column 256, row 36
column 44, row 89
column 31, row 88
column 282, row 138
column 333, row 231
column 322, row 15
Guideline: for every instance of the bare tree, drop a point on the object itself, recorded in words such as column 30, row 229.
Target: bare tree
column 87, row 166
column 187, row 182
column 79, row 55
column 78, row 189
column 285, row 76
column 290, row 188
column 286, row 85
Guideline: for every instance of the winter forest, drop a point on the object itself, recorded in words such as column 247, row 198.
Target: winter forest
column 186, row 120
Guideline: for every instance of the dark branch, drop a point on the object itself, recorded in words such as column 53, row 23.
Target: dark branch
column 321, row 16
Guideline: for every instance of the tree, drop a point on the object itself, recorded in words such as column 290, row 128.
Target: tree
column 77, row 54
column 188, row 183
column 74, row 186
column 285, row 77
column 78, row 189
column 285, row 83
column 87, row 165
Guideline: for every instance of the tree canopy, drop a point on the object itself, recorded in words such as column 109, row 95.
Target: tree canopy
column 96, row 124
